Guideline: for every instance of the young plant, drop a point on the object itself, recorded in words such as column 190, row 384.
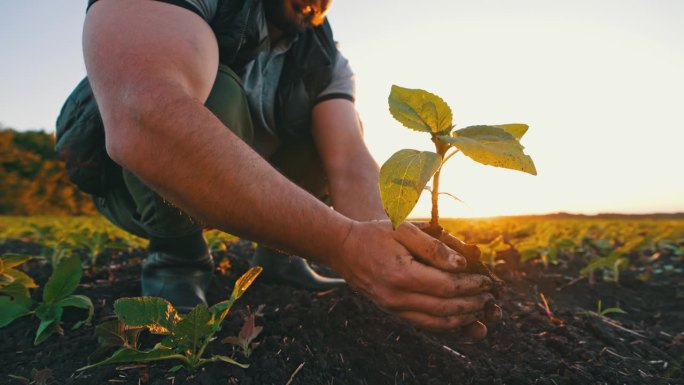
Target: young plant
column 15, row 300
column 601, row 312
column 404, row 176
column 612, row 263
column 248, row 332
column 96, row 243
column 57, row 295
column 185, row 336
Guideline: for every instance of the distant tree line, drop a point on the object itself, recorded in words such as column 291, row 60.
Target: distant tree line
column 33, row 181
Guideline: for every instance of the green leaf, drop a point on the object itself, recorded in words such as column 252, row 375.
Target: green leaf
column 10, row 260
column 492, row 146
column 64, row 279
column 23, row 279
column 122, row 355
column 11, row 310
column 46, row 328
column 193, row 329
column 18, row 293
column 515, row 129
column 156, row 314
column 82, row 302
column 420, row 110
column 613, row 310
column 402, row 178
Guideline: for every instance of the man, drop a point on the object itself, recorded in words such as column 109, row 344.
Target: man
column 240, row 114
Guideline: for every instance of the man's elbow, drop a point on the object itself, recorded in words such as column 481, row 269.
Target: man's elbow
column 126, row 132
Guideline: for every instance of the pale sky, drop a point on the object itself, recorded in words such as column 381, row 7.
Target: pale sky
column 601, row 84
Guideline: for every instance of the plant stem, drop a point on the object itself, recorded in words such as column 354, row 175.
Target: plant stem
column 434, row 219
column 441, row 148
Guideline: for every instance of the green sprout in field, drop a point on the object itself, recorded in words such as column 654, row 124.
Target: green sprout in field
column 405, row 174
column 613, row 262
column 57, row 295
column 96, row 242
column 601, row 312
column 15, row 300
column 185, row 336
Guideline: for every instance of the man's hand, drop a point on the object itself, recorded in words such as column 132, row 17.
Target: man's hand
column 408, row 273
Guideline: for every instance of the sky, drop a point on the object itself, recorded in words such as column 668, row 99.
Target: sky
column 600, row 83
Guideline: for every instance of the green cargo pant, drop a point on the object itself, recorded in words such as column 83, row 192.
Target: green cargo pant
column 134, row 207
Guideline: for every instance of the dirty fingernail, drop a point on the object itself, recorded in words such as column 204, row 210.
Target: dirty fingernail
column 457, row 261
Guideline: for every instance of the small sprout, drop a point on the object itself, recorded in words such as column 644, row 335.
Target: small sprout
column 185, row 337
column 248, row 333
column 405, row 174
column 57, row 295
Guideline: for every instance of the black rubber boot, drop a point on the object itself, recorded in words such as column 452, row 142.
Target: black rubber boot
column 182, row 276
column 291, row 270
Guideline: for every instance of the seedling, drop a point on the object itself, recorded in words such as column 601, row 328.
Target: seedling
column 248, row 332
column 57, row 295
column 185, row 336
column 96, row 243
column 612, row 263
column 15, row 300
column 404, row 176
column 601, row 312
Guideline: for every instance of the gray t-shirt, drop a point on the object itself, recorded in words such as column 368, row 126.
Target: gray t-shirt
column 261, row 76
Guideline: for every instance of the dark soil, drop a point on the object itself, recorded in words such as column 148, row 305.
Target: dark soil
column 340, row 337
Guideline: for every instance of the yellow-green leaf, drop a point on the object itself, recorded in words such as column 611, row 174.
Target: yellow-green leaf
column 154, row 313
column 515, row 129
column 402, row 178
column 420, row 110
column 245, row 281
column 10, row 260
column 22, row 278
column 492, row 146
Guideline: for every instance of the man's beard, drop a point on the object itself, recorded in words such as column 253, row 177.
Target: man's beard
column 287, row 16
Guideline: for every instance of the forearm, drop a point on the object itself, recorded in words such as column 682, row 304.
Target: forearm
column 354, row 189
column 188, row 156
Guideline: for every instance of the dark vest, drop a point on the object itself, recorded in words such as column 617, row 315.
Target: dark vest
column 306, row 72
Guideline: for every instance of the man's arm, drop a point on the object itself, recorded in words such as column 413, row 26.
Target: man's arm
column 352, row 171
column 151, row 66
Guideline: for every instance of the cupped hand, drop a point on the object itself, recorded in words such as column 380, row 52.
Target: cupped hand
column 493, row 312
column 415, row 276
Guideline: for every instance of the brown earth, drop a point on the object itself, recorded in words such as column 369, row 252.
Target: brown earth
column 340, row 337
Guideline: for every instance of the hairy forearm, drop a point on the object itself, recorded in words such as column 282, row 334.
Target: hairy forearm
column 354, row 189
column 188, row 156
